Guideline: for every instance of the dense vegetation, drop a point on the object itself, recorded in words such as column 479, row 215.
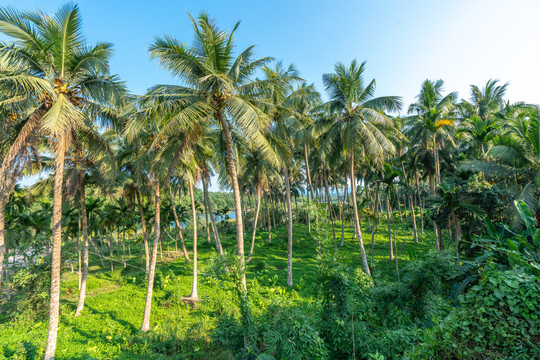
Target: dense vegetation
column 349, row 231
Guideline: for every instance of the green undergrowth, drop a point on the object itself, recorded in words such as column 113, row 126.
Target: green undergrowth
column 108, row 326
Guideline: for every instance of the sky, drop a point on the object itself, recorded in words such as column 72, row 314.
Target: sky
column 403, row 42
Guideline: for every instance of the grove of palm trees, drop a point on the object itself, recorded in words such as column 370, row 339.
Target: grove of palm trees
column 350, row 225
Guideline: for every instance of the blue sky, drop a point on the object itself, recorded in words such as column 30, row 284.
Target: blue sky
column 403, row 42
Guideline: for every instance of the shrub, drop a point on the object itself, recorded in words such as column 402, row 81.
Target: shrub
column 498, row 319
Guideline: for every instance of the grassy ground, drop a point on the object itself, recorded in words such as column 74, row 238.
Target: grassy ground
column 115, row 300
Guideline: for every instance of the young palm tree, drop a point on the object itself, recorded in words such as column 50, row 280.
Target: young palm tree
column 52, row 63
column 217, row 87
column 360, row 123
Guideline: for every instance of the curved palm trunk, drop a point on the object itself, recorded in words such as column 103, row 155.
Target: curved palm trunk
column 194, row 294
column 54, row 304
column 84, row 276
column 255, row 223
column 145, row 234
column 365, row 265
column 212, row 219
column 289, row 227
column 177, row 223
column 149, row 291
column 237, row 200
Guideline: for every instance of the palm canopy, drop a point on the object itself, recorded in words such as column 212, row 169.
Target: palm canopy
column 361, row 116
column 430, row 116
column 485, row 102
column 214, row 83
column 51, row 62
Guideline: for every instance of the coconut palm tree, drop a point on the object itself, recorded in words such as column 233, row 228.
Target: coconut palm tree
column 68, row 81
column 217, row 88
column 484, row 102
column 361, row 120
column 281, row 96
column 430, row 122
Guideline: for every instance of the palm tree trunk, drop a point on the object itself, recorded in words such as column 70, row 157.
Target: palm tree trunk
column 307, row 171
column 389, row 229
column 194, row 294
column 177, row 223
column 2, row 235
column 365, row 265
column 54, row 304
column 268, row 219
column 340, row 204
column 111, row 254
column 84, row 218
column 289, row 227
column 148, row 305
column 330, row 210
column 375, row 219
column 255, row 223
column 458, row 233
column 145, row 234
column 273, row 210
column 236, row 194
column 79, row 252
column 419, row 201
column 212, row 219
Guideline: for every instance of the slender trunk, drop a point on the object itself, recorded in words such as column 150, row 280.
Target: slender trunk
column 273, row 210
column 206, row 219
column 340, row 204
column 365, row 265
column 307, row 171
column 212, row 219
column 124, row 247
column 2, row 237
column 269, row 222
column 413, row 215
column 82, row 292
column 389, row 229
column 375, row 219
column 289, row 227
column 236, row 194
column 437, row 162
column 419, row 202
column 100, row 250
column 255, row 223
column 54, row 305
column 109, row 240
column 177, row 223
column 145, row 234
column 79, row 251
column 148, row 305
column 330, row 210
column 458, row 233
column 194, row 294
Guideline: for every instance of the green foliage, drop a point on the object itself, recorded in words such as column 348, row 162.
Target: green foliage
column 31, row 286
column 288, row 332
column 497, row 319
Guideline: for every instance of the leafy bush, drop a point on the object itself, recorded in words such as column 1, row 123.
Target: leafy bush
column 498, row 319
column 31, row 286
column 289, row 333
